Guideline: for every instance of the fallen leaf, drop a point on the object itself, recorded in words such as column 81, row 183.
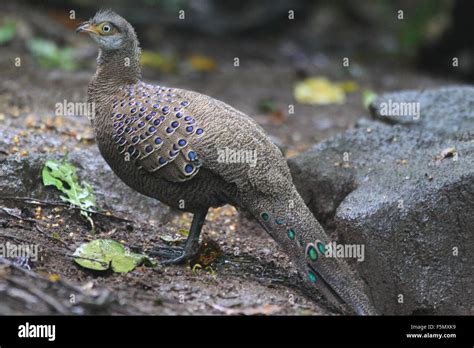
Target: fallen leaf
column 349, row 86
column 159, row 61
column 102, row 254
column 319, row 91
column 202, row 63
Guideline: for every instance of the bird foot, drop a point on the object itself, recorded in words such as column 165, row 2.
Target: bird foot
column 173, row 256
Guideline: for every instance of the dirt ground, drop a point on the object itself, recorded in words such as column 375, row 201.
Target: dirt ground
column 251, row 275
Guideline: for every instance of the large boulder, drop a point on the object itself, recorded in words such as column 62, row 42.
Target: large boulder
column 445, row 111
column 405, row 194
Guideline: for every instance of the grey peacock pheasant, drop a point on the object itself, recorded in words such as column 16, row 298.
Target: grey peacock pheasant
column 164, row 143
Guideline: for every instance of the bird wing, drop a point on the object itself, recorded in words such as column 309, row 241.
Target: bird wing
column 153, row 129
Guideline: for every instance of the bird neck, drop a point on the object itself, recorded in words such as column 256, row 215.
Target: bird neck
column 115, row 69
column 119, row 67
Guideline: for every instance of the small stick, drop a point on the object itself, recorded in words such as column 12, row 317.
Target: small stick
column 61, row 204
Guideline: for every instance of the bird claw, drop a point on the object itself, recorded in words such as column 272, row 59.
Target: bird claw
column 174, row 256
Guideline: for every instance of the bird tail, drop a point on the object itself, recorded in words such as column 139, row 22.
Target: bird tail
column 289, row 221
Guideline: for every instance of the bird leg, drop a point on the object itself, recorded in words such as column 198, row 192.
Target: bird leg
column 180, row 255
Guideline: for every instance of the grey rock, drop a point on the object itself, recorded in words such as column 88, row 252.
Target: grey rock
column 405, row 197
column 447, row 110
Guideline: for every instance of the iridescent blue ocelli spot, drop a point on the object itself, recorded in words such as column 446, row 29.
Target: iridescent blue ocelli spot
column 192, row 155
column 199, row 131
column 156, row 106
column 133, row 110
column 148, row 149
column 162, row 118
column 161, row 160
column 277, row 221
column 181, row 142
column 174, row 124
column 265, row 216
column 141, row 114
column 135, row 139
column 188, row 118
column 312, row 253
column 312, row 276
column 118, row 116
column 156, row 122
column 142, row 136
column 173, row 153
column 291, row 234
column 176, row 108
column 143, row 108
column 321, row 248
column 188, row 168
column 153, row 113
column 175, row 147
column 166, row 109
column 158, row 141
column 141, row 124
column 148, row 117
column 179, row 114
column 189, row 129
column 128, row 129
column 152, row 129
column 169, row 130
column 184, row 103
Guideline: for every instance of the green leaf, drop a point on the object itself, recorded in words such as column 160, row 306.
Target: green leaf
column 49, row 55
column 267, row 106
column 7, row 32
column 62, row 175
column 368, row 96
column 102, row 254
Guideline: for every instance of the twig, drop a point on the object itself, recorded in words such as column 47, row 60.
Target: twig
column 61, row 204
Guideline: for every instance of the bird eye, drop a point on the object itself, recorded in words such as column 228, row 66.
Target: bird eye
column 106, row 28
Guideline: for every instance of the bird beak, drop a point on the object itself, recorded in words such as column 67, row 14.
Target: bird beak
column 86, row 27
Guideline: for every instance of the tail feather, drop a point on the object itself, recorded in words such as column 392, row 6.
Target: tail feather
column 289, row 221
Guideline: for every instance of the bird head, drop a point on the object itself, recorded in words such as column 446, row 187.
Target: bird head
column 109, row 30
